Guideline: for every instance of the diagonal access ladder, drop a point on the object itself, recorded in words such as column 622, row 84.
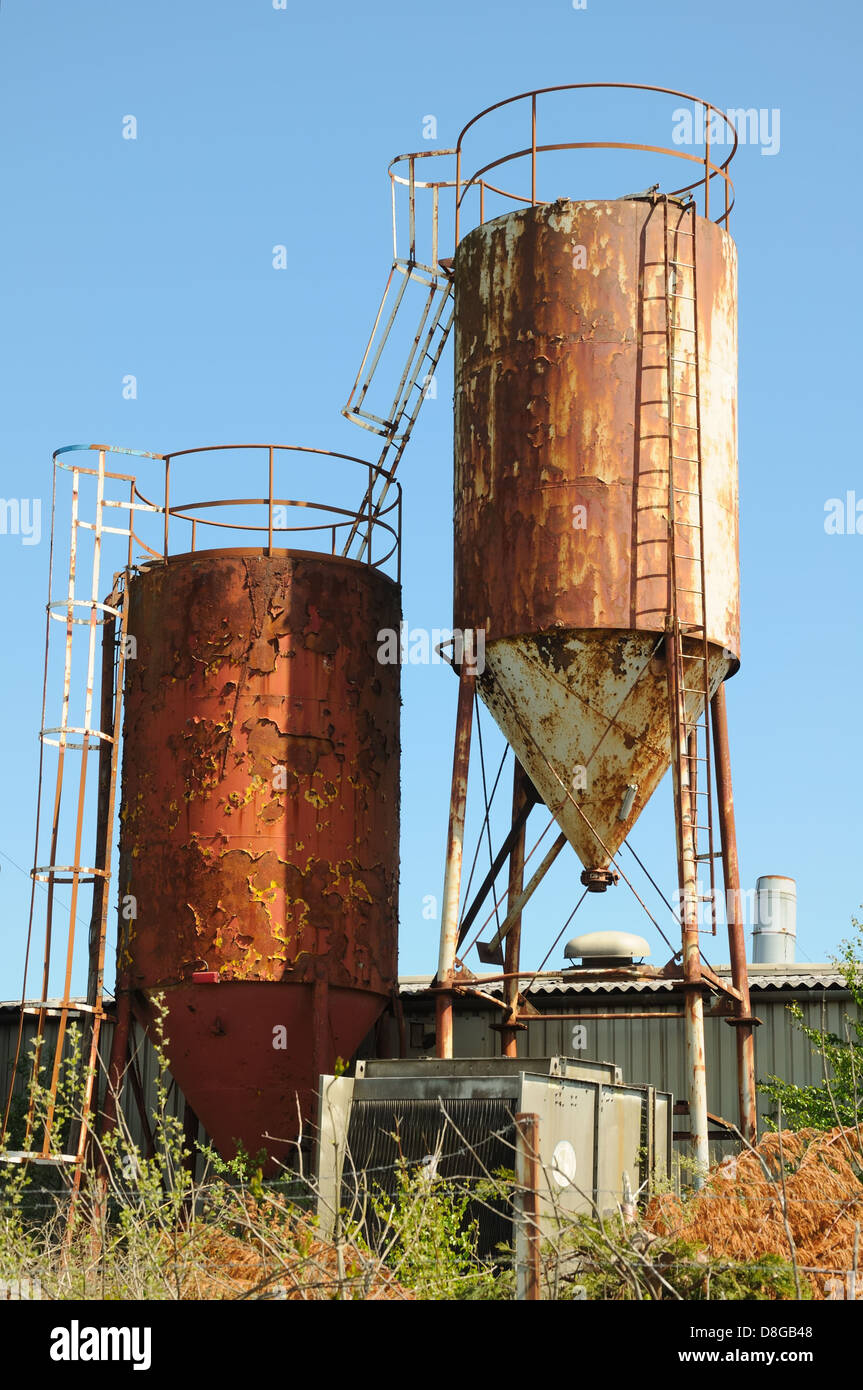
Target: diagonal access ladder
column 418, row 373
column 426, row 344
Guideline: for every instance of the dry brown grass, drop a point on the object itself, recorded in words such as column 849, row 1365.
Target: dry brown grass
column 274, row 1253
column 741, row 1214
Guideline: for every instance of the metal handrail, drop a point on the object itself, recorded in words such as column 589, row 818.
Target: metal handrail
column 369, row 520
column 711, row 169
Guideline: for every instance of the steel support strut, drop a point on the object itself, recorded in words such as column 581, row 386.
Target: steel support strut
column 454, row 854
column 512, row 960
column 693, row 983
column 742, row 1021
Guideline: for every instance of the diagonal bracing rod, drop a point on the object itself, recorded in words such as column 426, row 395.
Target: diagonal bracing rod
column 497, row 864
column 488, row 950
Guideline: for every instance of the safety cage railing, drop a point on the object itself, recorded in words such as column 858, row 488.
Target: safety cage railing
column 711, row 121
column 428, row 187
column 379, row 533
column 117, row 524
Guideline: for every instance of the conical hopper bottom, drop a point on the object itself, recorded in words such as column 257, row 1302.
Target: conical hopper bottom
column 587, row 712
column 246, row 1055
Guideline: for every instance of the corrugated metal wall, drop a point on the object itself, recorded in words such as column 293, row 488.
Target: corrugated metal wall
column 648, row 1050
column 145, row 1056
column 652, row 1050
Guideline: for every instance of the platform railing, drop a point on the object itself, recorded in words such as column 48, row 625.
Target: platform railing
column 418, row 332
column 529, row 152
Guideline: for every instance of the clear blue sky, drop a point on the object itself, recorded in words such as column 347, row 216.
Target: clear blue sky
column 259, row 126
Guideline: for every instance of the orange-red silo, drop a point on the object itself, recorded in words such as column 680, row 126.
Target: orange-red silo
column 260, row 820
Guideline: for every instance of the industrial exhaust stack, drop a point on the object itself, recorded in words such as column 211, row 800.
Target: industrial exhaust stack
column 774, row 935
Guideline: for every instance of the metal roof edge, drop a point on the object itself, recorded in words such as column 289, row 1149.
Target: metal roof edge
column 762, row 978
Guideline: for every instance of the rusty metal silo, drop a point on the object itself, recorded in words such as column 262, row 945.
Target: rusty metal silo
column 595, row 529
column 259, row 825
column 259, row 802
column 561, row 490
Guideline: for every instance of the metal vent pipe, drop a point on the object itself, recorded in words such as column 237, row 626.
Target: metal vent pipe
column 775, row 930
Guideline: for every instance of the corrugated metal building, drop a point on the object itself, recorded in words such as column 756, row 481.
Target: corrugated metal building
column 648, row 1049
column 139, row 1099
column 652, row 1049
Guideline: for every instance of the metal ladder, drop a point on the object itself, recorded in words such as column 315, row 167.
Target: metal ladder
column 426, row 346
column 428, row 343
column 687, row 642
column 80, row 608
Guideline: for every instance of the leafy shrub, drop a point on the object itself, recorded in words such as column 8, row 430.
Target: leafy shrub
column 837, row 1101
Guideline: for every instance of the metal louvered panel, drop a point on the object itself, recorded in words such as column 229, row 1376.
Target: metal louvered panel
column 470, row 1137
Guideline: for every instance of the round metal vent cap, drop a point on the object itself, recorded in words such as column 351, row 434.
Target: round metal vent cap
column 607, row 944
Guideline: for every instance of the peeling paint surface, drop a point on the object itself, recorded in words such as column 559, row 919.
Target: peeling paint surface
column 561, row 402
column 597, row 702
column 562, row 488
column 260, row 820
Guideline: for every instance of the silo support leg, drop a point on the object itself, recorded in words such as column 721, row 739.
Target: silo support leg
column 743, row 1022
column 512, row 961
column 686, row 831
column 454, row 855
column 697, row 1083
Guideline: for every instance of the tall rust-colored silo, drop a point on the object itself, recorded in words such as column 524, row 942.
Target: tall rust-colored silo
column 596, row 546
column 259, row 804
column 561, row 490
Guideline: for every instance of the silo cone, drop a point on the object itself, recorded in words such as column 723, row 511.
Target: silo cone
column 561, row 494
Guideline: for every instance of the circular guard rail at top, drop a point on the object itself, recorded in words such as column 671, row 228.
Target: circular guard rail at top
column 370, row 519
column 477, row 180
